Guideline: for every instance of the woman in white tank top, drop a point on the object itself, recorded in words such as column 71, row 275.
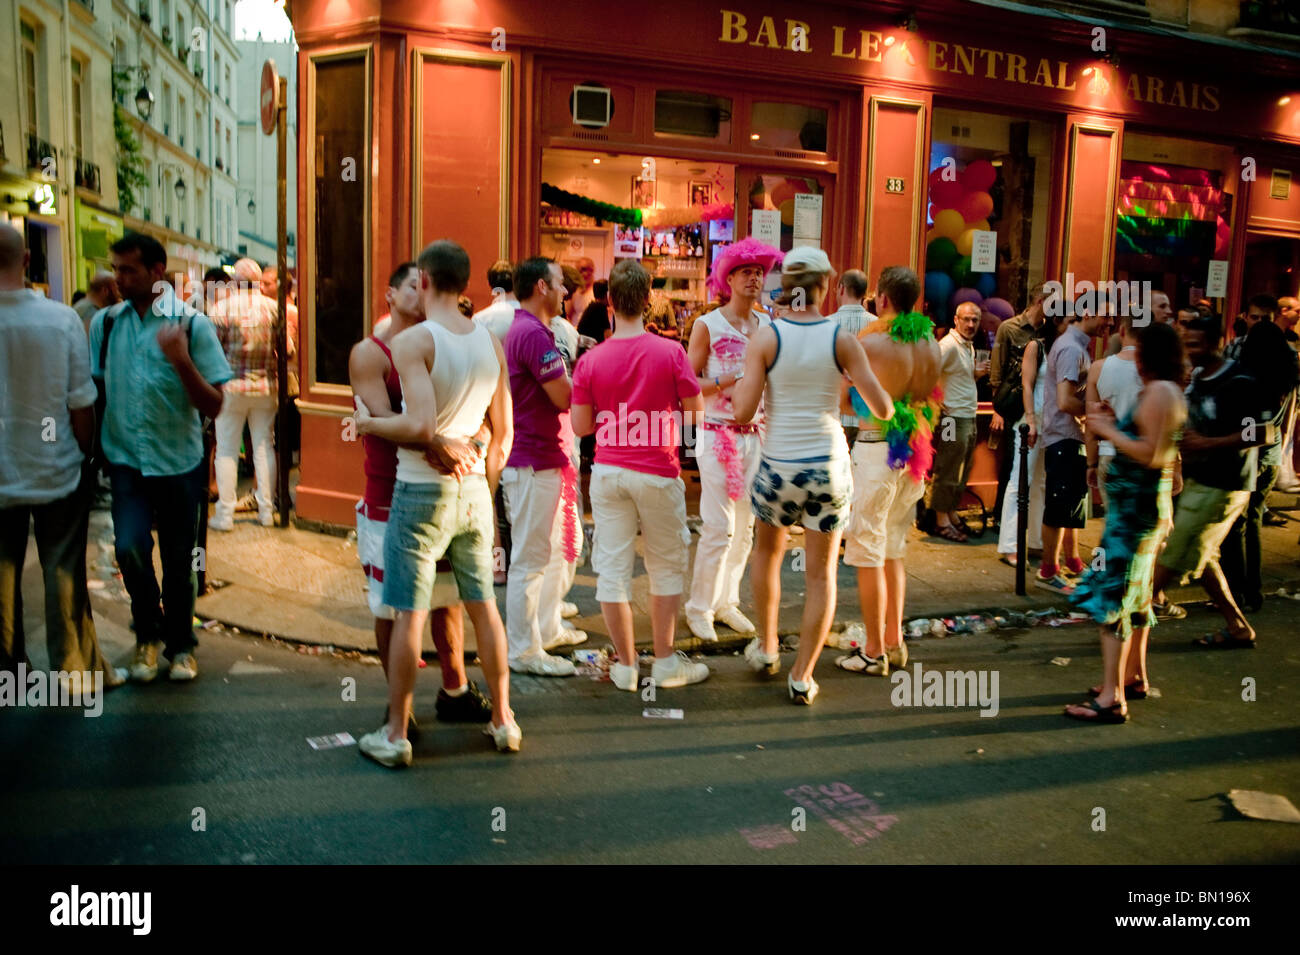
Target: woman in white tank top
column 796, row 367
column 1114, row 382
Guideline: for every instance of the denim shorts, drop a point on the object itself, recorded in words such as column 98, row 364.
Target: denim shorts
column 427, row 521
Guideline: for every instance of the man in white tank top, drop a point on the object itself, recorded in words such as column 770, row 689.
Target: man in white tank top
column 795, row 365
column 727, row 453
column 453, row 372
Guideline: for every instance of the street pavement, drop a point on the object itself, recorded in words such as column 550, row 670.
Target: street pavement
column 599, row 781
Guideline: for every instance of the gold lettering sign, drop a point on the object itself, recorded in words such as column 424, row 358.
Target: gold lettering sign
column 974, row 61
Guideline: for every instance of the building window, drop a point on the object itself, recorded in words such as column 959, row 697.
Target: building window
column 31, row 56
column 182, row 117
column 338, row 291
column 167, row 109
column 988, row 173
column 230, row 156
column 699, row 115
column 788, row 126
column 78, row 127
column 227, row 86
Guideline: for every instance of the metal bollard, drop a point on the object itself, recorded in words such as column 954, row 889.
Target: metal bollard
column 1022, row 508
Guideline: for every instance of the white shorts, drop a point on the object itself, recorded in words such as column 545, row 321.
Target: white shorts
column 622, row 501
column 883, row 509
column 370, row 550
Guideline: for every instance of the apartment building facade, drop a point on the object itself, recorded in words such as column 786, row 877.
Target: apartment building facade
column 257, row 182
column 104, row 86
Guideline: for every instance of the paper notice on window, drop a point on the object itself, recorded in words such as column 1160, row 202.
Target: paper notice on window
column 808, row 216
column 801, row 242
column 1216, row 284
column 984, row 252
column 765, row 226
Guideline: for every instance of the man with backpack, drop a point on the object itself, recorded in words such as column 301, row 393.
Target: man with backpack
column 161, row 369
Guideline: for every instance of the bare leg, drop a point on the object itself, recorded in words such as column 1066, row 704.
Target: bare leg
column 873, row 592
column 1114, row 653
column 403, row 660
column 765, row 578
column 819, row 606
column 383, row 634
column 896, row 589
column 491, row 635
column 448, row 625
column 663, row 621
column 1136, row 671
column 1217, row 587
column 1070, row 544
column 618, row 620
column 1051, row 546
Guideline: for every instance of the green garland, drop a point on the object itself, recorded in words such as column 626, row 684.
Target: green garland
column 911, row 327
column 600, row 211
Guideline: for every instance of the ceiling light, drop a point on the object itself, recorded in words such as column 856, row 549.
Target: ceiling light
column 596, row 161
column 1283, row 101
column 753, row 135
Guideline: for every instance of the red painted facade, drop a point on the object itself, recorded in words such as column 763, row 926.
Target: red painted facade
column 463, row 96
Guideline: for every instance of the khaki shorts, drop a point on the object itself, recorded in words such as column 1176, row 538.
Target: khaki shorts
column 883, row 509
column 1201, row 522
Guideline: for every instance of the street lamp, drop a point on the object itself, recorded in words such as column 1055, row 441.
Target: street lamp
column 178, row 186
column 144, row 103
column 252, row 206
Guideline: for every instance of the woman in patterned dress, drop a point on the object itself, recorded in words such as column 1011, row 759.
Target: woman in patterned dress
column 1116, row 592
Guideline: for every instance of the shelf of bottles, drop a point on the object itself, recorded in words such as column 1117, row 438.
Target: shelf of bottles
column 560, row 219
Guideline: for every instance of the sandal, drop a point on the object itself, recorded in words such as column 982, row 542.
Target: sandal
column 1224, row 640
column 1137, row 690
column 962, row 526
column 1102, row 714
column 949, row 532
column 1008, row 559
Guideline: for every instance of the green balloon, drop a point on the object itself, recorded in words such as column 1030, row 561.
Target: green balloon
column 961, row 273
column 940, row 255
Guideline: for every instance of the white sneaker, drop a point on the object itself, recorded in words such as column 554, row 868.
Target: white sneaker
column 543, row 664
column 507, row 737
column 568, row 609
column 384, row 751
column 702, row 627
column 677, row 670
column 568, row 637
column 216, row 524
column 144, row 665
column 859, row 662
column 803, row 694
column 624, row 677
column 115, row 677
column 897, row 655
column 760, row 661
column 266, row 519
column 184, row 668
column 733, row 618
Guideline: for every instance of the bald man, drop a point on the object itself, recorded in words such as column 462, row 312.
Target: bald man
column 1161, row 311
column 101, row 293
column 47, row 421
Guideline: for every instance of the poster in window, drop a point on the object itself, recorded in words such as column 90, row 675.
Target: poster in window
column 701, row 192
column 643, row 193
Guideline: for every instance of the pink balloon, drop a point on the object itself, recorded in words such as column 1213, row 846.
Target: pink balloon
column 946, row 195
column 975, row 206
column 979, row 175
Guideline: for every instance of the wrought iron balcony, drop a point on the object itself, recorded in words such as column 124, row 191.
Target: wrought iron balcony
column 87, row 175
column 38, row 151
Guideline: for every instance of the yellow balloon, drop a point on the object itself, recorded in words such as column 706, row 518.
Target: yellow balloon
column 949, row 224
column 787, row 212
column 981, row 226
column 965, row 241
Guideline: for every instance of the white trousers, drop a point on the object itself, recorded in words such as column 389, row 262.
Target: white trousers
column 1011, row 500
column 726, row 528
column 259, row 412
column 624, row 501
column 1286, row 476
column 539, row 576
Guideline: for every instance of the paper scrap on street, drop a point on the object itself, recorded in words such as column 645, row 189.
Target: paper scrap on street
column 1266, row 806
column 1060, row 661
column 333, row 741
column 662, row 714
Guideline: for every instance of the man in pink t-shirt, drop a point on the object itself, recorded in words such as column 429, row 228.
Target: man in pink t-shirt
column 540, row 483
column 633, row 392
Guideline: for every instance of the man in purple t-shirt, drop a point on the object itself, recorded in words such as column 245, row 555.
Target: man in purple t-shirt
column 540, row 482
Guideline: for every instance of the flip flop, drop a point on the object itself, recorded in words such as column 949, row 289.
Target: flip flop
column 1008, row 559
column 1223, row 639
column 1104, row 714
column 949, row 533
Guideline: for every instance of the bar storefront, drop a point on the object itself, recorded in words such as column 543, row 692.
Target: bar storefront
column 988, row 150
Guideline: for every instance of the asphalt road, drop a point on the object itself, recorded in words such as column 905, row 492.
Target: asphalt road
column 597, row 781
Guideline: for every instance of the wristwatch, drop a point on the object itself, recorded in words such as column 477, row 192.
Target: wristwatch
column 478, row 444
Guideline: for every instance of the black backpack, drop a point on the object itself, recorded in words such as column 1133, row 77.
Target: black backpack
column 1009, row 401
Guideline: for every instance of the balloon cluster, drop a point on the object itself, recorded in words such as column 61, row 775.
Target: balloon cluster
column 959, row 207
column 780, row 197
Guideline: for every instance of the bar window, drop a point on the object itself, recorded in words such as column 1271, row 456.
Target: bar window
column 339, row 289
column 788, row 126
column 698, row 115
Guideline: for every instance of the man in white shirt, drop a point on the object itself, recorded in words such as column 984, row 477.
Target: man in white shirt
column 955, row 434
column 853, row 317
column 47, row 422
column 498, row 316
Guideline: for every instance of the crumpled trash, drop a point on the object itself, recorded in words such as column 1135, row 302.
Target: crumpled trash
column 1265, row 806
column 1060, row 661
